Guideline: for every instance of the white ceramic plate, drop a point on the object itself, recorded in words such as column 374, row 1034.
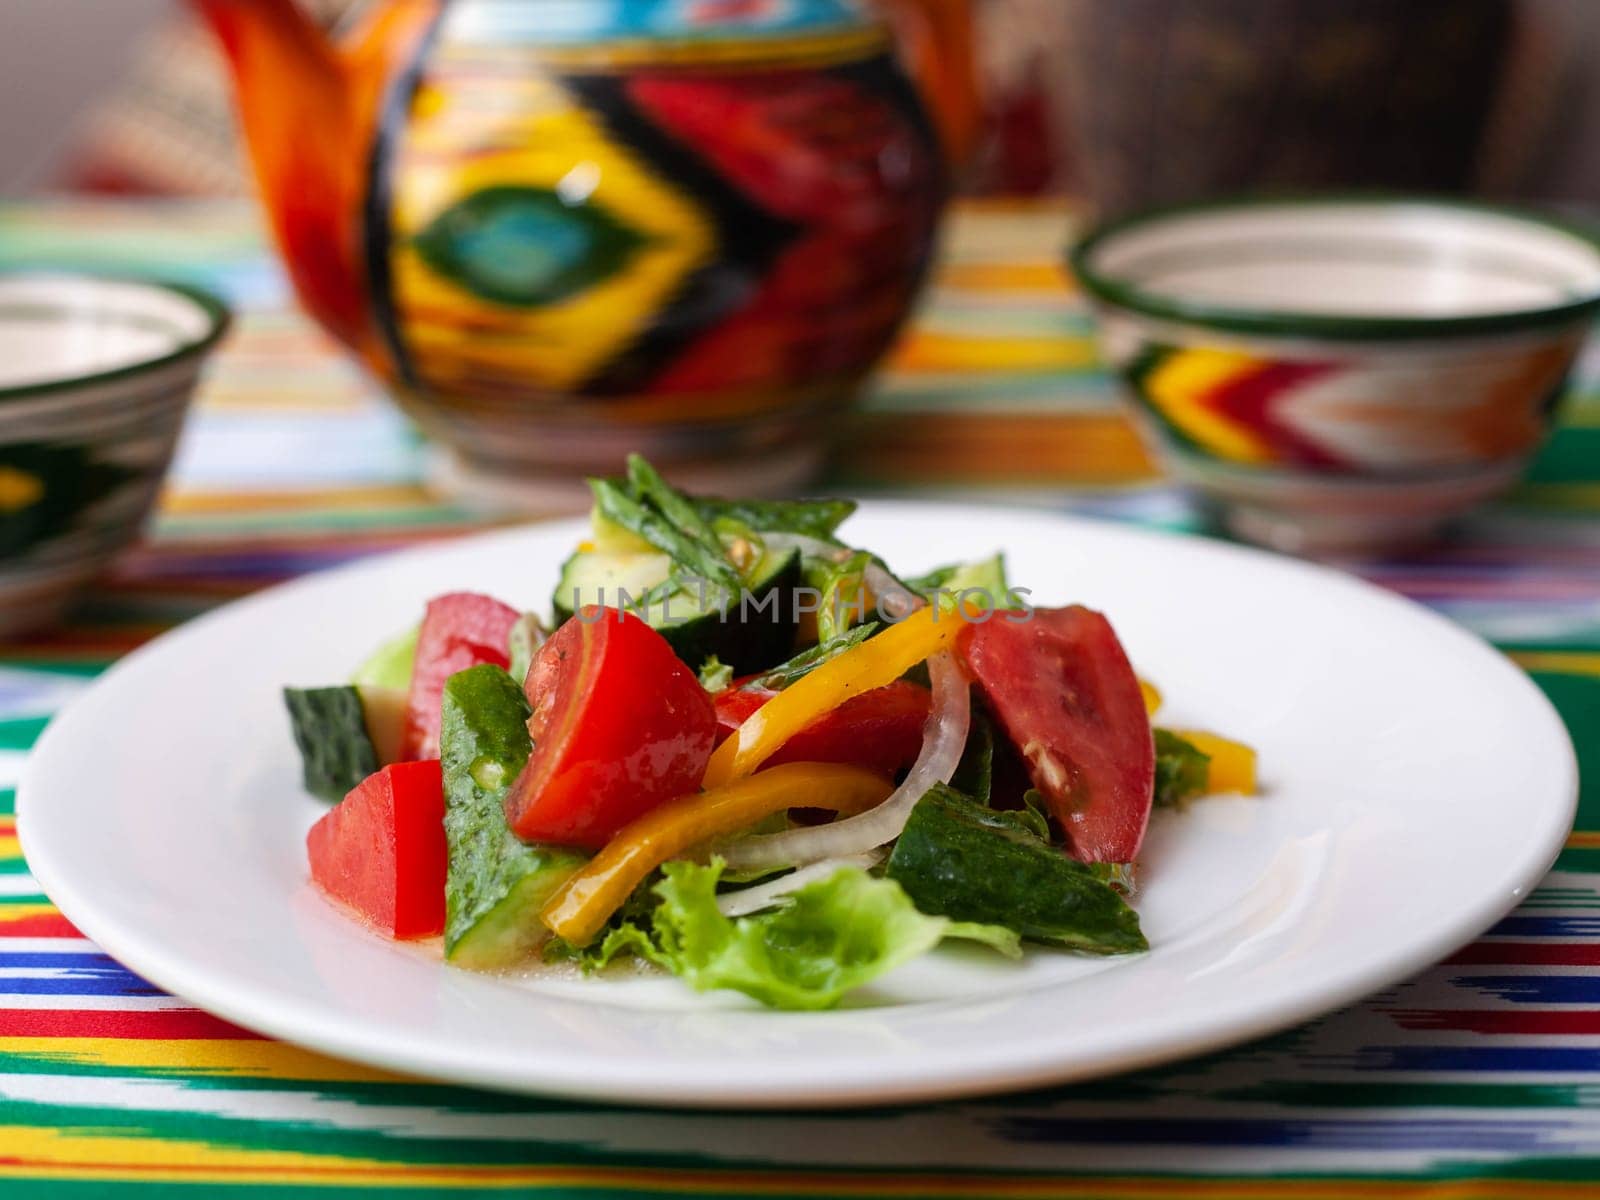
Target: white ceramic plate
column 1416, row 786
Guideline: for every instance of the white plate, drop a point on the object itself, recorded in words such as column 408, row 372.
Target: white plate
column 1417, row 785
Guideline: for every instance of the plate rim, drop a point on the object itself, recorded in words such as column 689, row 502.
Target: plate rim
column 987, row 1075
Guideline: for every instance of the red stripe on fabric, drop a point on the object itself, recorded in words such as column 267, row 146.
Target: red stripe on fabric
column 1552, row 1021
column 40, row 925
column 1512, row 954
column 160, row 1024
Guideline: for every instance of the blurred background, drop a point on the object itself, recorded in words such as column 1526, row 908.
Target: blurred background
column 1122, row 102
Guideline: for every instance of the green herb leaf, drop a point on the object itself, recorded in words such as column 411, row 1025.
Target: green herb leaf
column 705, row 560
column 974, row 774
column 806, row 661
column 1182, row 770
column 527, row 635
column 809, row 518
column 961, row 860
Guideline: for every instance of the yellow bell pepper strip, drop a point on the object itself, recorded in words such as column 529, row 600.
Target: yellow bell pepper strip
column 1152, row 697
column 1233, row 764
column 875, row 663
column 583, row 905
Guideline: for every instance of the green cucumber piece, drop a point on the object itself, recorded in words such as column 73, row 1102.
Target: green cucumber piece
column 496, row 883
column 391, row 663
column 987, row 576
column 385, row 713
column 756, row 634
column 330, row 728
column 960, row 860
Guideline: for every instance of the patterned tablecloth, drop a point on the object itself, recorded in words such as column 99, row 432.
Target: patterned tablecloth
column 1479, row 1077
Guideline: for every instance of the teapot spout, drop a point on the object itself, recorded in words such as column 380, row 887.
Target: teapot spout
column 309, row 112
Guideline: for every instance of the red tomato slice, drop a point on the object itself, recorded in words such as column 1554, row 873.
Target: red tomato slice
column 880, row 730
column 1061, row 687
column 381, row 850
column 619, row 726
column 459, row 630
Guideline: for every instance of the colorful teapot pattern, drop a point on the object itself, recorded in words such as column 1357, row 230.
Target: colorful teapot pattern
column 560, row 229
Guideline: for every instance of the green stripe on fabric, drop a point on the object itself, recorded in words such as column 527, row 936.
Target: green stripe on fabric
column 77, row 668
column 8, row 802
column 1577, row 699
column 1579, row 858
column 1568, row 457
column 1401, row 1094
column 21, row 734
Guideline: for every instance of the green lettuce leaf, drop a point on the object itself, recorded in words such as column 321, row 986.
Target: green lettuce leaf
column 831, row 937
column 715, row 675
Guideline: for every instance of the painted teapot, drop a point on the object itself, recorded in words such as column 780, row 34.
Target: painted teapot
column 563, row 229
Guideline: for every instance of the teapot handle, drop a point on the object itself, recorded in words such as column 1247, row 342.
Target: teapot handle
column 936, row 42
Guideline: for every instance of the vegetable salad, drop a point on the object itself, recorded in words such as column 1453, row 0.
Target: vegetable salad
column 746, row 752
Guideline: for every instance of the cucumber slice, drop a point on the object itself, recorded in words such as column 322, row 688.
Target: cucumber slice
column 391, row 663
column 496, row 883
column 987, row 576
column 612, row 538
column 758, row 633
column 957, row 859
column 330, row 729
column 385, row 712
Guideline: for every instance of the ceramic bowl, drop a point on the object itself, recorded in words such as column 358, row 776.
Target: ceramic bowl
column 95, row 378
column 1342, row 375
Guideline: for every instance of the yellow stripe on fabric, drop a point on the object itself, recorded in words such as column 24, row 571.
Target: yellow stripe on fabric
column 1558, row 662
column 987, row 449
column 1007, row 277
column 1587, row 840
column 23, row 912
column 246, row 1057
column 51, row 1154
column 936, row 352
column 192, row 503
column 9, row 846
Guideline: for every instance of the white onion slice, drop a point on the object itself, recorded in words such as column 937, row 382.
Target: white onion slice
column 944, row 738
column 765, row 895
column 815, row 547
column 895, row 600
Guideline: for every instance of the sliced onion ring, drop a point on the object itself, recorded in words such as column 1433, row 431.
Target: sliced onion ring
column 765, row 895
column 894, row 598
column 944, row 738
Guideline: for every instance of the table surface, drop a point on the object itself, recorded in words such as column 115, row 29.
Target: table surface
column 1479, row 1077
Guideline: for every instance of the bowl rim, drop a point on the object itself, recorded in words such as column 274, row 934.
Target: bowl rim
column 1244, row 319
column 219, row 319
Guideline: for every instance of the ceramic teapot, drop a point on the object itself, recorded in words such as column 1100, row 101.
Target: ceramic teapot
column 563, row 229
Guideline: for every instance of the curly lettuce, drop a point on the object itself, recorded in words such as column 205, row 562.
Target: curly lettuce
column 831, row 937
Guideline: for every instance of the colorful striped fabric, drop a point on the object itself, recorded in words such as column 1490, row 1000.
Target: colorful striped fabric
column 1478, row 1078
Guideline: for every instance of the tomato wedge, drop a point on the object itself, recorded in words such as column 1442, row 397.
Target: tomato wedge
column 619, row 726
column 880, row 730
column 459, row 630
column 1061, row 687
column 381, row 850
